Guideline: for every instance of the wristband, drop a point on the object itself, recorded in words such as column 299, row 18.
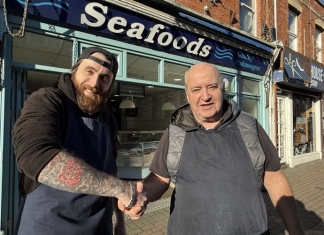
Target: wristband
column 132, row 200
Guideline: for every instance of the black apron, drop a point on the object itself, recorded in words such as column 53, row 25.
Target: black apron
column 216, row 191
column 50, row 211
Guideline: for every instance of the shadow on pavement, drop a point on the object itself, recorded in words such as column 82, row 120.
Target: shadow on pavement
column 312, row 224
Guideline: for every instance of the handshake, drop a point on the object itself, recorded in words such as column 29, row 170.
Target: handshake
column 135, row 201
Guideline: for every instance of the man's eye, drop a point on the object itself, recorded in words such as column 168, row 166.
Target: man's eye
column 106, row 78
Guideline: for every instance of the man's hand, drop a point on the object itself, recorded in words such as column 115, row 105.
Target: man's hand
column 136, row 211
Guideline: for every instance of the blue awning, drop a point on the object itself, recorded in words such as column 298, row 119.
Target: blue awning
column 293, row 66
column 227, row 32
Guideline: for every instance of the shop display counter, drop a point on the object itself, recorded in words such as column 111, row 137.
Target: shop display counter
column 134, row 157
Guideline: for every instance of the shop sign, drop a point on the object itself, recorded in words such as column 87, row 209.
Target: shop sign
column 294, row 66
column 296, row 81
column 278, row 76
column 122, row 24
column 317, row 76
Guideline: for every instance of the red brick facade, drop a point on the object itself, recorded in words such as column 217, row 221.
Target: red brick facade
column 308, row 11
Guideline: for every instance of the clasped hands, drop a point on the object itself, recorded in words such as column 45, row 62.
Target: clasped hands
column 138, row 208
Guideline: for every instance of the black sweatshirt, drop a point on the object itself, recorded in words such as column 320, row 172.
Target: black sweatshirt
column 39, row 133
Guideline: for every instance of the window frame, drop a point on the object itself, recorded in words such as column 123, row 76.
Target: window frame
column 250, row 9
column 293, row 34
column 318, row 45
column 246, row 95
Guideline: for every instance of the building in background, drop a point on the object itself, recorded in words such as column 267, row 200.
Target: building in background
column 155, row 42
column 294, row 85
column 296, row 119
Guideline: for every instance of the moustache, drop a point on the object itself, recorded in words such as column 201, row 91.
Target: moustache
column 93, row 89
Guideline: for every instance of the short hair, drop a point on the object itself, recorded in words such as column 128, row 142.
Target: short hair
column 87, row 54
column 215, row 67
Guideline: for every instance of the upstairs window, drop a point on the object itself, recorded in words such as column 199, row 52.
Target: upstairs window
column 247, row 16
column 318, row 45
column 293, row 30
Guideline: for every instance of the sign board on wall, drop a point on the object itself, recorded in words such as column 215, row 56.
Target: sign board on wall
column 278, row 76
column 294, row 66
column 105, row 19
column 317, row 76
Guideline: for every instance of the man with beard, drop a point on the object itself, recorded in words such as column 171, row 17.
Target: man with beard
column 65, row 146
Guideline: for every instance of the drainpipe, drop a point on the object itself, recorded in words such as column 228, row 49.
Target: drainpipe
column 272, row 98
column 272, row 92
column 1, row 58
column 275, row 14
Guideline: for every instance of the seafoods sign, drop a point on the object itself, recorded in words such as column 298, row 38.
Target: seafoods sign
column 135, row 30
column 121, row 24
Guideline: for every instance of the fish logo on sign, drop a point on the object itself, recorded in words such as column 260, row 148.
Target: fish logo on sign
column 223, row 53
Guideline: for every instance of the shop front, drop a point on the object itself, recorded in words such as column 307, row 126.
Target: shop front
column 299, row 88
column 154, row 50
column 317, row 76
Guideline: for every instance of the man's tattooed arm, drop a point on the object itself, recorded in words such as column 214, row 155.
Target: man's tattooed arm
column 68, row 173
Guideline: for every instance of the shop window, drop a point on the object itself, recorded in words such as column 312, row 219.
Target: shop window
column 39, row 79
column 303, row 123
column 251, row 86
column 293, row 30
column 43, row 50
column 247, row 16
column 143, row 68
column 174, row 73
column 250, row 96
column 318, row 46
column 250, row 106
column 228, row 83
column 229, row 97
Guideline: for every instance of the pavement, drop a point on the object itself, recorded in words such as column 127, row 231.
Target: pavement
column 306, row 181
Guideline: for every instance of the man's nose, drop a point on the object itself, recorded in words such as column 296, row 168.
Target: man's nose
column 205, row 95
column 94, row 81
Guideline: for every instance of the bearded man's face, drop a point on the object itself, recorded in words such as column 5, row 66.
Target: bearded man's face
column 93, row 83
column 90, row 104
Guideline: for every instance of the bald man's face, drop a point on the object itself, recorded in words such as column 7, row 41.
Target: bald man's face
column 205, row 93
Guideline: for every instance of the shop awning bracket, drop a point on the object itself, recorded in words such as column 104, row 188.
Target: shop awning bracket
column 21, row 32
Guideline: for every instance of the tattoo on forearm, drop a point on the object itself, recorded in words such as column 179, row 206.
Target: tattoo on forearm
column 69, row 173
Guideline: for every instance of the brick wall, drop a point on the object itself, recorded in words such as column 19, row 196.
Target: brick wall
column 307, row 10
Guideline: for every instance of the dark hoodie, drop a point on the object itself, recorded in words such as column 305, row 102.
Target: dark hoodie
column 39, row 133
column 183, row 117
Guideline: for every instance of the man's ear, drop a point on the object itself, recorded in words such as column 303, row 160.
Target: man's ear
column 187, row 97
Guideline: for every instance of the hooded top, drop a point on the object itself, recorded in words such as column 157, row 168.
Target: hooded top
column 184, row 119
column 39, row 133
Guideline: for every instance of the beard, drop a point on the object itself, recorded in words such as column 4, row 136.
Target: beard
column 90, row 104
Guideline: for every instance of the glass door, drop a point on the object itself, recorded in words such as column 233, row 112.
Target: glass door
column 281, row 129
